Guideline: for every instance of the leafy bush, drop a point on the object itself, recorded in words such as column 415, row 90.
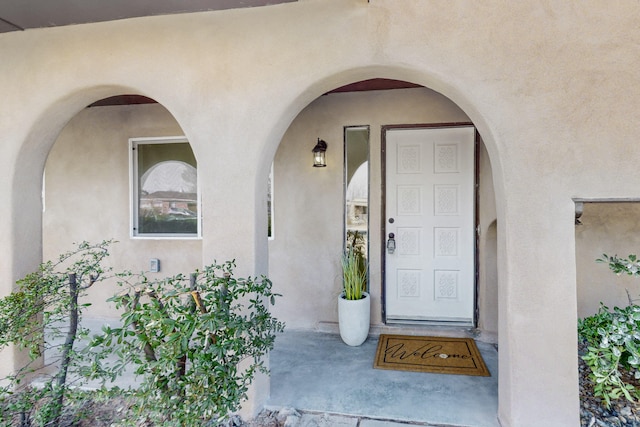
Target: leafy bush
column 188, row 338
column 48, row 300
column 590, row 328
column 613, row 349
column 197, row 341
column 613, row 340
column 629, row 266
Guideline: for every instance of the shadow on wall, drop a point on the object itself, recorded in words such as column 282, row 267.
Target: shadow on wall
column 488, row 285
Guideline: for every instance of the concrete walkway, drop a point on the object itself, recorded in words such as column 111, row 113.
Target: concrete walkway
column 318, row 374
column 334, row 420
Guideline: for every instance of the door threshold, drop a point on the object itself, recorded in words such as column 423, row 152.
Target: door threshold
column 452, row 331
column 376, row 330
column 456, row 323
column 422, row 328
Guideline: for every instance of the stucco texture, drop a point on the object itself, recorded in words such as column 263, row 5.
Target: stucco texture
column 551, row 86
column 87, row 196
column 606, row 228
column 304, row 255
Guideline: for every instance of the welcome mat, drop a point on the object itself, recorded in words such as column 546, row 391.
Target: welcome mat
column 439, row 355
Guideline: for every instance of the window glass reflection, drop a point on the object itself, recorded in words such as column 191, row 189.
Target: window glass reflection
column 357, row 200
column 167, row 189
column 356, row 195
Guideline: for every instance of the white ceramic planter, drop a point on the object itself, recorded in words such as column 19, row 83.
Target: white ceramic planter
column 354, row 319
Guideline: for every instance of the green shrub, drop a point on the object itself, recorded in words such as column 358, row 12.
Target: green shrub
column 187, row 338
column 590, row 328
column 197, row 341
column 48, row 300
column 629, row 266
column 613, row 349
column 613, row 341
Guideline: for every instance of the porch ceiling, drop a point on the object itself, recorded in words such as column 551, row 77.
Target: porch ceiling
column 18, row 15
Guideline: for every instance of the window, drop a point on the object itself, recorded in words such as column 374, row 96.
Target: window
column 270, row 217
column 356, row 186
column 164, row 182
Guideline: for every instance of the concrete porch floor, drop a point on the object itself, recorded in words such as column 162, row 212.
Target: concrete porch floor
column 317, row 372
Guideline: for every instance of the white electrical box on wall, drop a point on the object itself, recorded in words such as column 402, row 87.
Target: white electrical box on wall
column 154, row 265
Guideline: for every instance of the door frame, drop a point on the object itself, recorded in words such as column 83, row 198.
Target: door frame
column 383, row 207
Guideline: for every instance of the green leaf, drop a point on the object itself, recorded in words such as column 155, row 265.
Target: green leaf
column 615, row 393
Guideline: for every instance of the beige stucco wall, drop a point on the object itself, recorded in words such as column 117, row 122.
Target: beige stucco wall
column 552, row 87
column 614, row 229
column 87, row 196
column 89, row 199
column 488, row 301
column 305, row 252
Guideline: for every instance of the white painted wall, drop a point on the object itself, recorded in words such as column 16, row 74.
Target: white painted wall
column 551, row 86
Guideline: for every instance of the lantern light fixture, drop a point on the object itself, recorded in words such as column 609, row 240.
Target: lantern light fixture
column 319, row 159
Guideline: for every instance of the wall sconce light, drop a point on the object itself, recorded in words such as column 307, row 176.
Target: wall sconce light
column 319, row 160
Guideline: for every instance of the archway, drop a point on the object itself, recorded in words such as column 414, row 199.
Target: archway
column 91, row 192
column 304, row 255
column 76, row 139
column 325, row 118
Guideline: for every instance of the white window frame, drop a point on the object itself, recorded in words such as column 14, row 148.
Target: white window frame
column 134, row 191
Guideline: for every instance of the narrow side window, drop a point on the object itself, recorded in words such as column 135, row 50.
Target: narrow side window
column 270, row 211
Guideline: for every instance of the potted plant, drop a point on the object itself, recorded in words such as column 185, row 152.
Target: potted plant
column 354, row 306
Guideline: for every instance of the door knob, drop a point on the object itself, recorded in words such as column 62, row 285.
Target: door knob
column 391, row 244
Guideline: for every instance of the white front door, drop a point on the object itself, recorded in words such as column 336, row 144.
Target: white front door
column 430, row 200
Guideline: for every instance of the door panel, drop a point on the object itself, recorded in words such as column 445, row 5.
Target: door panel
column 430, row 201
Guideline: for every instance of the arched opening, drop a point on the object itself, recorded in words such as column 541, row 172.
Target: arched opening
column 309, row 202
column 90, row 190
column 314, row 194
column 27, row 177
column 73, row 184
column 97, row 186
column 309, row 206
